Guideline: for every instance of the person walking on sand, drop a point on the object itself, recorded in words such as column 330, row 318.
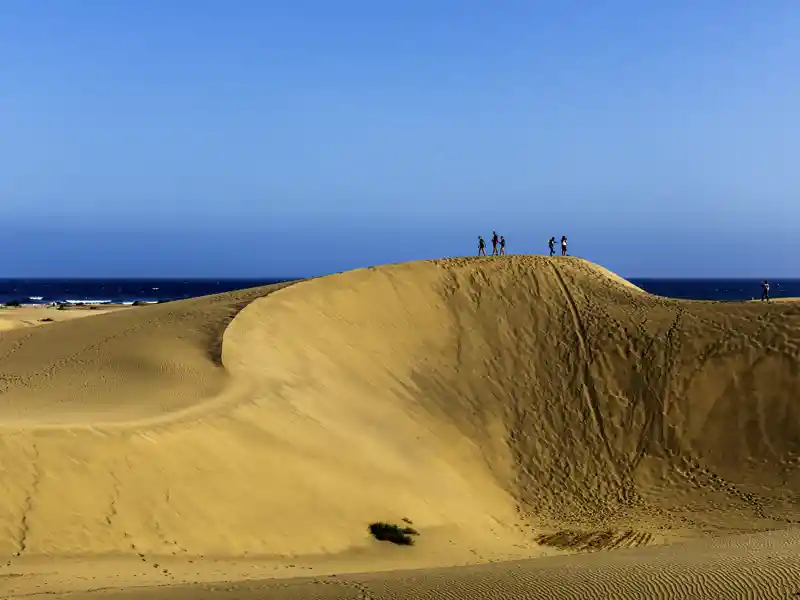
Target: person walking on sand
column 765, row 291
column 481, row 246
column 502, row 245
column 552, row 243
column 495, row 239
column 563, row 245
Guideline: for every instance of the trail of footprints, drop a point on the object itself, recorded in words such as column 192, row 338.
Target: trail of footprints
column 585, row 541
column 155, row 565
column 701, row 476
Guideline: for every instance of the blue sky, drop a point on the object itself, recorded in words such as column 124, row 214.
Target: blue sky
column 299, row 137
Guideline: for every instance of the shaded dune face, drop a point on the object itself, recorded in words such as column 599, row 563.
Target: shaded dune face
column 591, row 403
column 619, row 407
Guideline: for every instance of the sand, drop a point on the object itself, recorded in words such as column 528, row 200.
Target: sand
column 550, row 430
column 32, row 315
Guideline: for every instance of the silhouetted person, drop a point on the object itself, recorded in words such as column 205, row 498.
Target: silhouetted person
column 502, row 245
column 563, row 245
column 481, row 246
column 765, row 291
column 552, row 243
column 495, row 239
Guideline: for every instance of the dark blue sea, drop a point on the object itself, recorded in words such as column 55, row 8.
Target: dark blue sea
column 100, row 291
column 117, row 291
column 719, row 289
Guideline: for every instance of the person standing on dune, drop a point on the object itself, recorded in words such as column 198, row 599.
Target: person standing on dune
column 495, row 239
column 552, row 243
column 481, row 246
column 563, row 245
column 502, row 245
column 765, row 291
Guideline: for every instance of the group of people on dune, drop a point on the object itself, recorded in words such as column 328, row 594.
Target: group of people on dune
column 501, row 242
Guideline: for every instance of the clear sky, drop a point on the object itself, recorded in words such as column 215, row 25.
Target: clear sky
column 298, row 137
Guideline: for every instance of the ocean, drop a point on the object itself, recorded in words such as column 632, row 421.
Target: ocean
column 117, row 291
column 719, row 289
column 127, row 291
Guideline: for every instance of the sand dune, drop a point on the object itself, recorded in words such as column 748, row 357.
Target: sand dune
column 28, row 316
column 510, row 408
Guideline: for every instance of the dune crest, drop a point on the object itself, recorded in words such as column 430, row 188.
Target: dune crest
column 516, row 405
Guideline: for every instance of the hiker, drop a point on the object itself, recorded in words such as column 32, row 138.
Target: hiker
column 563, row 245
column 495, row 239
column 765, row 291
column 552, row 243
column 481, row 246
column 502, row 245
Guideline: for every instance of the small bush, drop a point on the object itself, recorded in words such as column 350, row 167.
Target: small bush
column 46, row 320
column 13, row 303
column 386, row 532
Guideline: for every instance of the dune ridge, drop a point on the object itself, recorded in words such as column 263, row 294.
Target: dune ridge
column 511, row 408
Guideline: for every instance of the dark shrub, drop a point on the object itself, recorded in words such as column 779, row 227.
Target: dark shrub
column 386, row 532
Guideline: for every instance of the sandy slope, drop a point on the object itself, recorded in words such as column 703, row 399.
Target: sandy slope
column 510, row 408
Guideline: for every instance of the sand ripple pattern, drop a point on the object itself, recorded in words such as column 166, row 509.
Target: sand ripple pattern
column 732, row 571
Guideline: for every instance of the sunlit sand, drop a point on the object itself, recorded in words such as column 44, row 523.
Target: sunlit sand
column 548, row 429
